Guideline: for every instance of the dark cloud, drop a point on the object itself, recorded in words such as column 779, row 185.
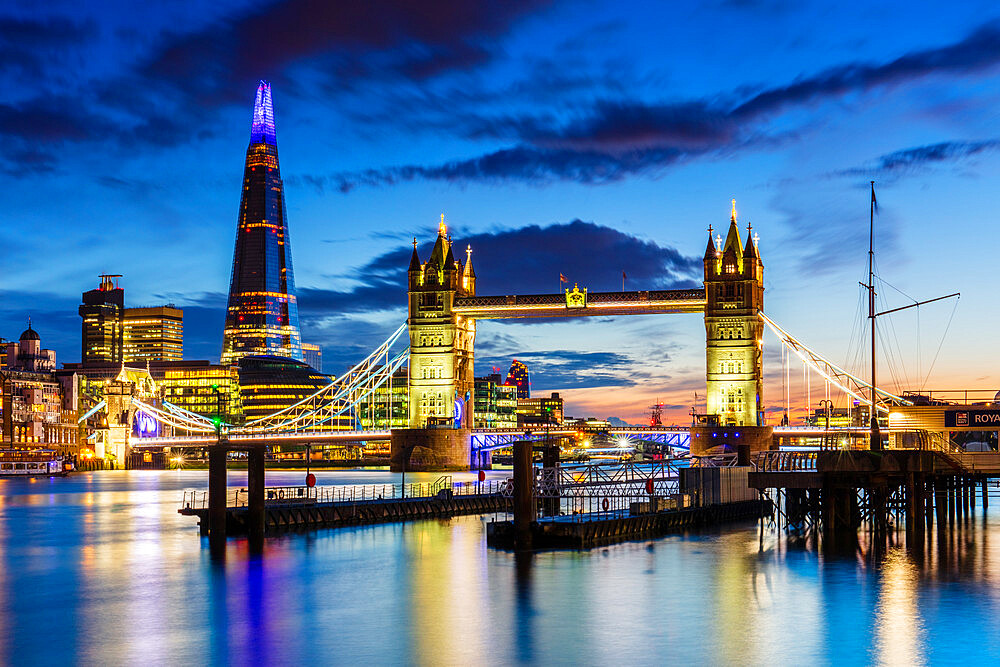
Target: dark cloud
column 981, row 49
column 610, row 139
column 28, row 46
column 907, row 160
column 527, row 260
column 174, row 94
column 523, row 163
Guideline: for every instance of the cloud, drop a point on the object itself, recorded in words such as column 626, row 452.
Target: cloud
column 610, row 139
column 28, row 46
column 913, row 159
column 527, row 260
column 175, row 92
column 570, row 369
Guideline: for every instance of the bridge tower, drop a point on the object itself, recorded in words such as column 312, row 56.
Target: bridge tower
column 734, row 292
column 441, row 380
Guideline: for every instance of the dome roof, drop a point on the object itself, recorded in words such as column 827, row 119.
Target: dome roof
column 30, row 334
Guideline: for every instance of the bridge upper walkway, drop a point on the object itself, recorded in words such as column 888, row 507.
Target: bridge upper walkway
column 597, row 304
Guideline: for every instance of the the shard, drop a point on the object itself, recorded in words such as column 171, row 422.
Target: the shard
column 262, row 316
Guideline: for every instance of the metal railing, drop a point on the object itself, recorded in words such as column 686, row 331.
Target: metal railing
column 350, row 494
column 778, row 461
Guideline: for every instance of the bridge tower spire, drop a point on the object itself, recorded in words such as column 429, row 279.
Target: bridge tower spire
column 734, row 292
column 441, row 377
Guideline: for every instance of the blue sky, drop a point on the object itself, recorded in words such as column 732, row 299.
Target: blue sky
column 580, row 138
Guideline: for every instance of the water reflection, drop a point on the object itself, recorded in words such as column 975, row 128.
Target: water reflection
column 898, row 625
column 106, row 563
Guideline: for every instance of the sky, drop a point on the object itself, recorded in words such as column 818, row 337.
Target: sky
column 584, row 138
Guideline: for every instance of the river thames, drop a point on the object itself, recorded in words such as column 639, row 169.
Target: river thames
column 98, row 568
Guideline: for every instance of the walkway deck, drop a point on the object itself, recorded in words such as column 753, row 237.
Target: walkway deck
column 296, row 514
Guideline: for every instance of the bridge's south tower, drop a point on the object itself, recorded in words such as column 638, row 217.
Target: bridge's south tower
column 734, row 291
column 441, row 381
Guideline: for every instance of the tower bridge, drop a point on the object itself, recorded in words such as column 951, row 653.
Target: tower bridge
column 443, row 312
column 444, row 308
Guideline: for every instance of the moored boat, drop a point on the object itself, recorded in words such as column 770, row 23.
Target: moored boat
column 33, row 463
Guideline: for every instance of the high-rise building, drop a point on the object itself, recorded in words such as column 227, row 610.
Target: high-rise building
column 262, row 317
column 154, row 334
column 103, row 311
column 313, row 355
column 518, row 377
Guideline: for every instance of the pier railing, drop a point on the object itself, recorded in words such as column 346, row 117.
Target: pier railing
column 349, row 494
column 778, row 461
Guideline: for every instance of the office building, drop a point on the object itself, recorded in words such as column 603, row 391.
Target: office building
column 495, row 404
column 313, row 355
column 388, row 406
column 201, row 387
column 540, row 411
column 103, row 333
column 262, row 317
column 153, row 334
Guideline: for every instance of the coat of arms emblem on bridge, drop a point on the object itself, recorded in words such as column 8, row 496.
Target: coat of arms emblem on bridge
column 576, row 298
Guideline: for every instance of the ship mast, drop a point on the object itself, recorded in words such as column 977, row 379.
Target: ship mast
column 876, row 438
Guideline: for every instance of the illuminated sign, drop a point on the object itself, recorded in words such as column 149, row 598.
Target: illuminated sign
column 459, row 411
column 972, row 418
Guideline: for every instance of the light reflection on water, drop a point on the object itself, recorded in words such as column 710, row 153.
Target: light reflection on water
column 100, row 568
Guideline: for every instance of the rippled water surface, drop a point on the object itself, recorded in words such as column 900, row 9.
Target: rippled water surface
column 99, row 568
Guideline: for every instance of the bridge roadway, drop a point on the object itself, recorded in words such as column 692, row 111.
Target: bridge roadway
column 482, row 439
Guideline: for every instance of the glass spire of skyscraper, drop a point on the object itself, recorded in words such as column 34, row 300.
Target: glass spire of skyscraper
column 262, row 316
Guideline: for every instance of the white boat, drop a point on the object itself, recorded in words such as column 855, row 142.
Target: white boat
column 33, row 463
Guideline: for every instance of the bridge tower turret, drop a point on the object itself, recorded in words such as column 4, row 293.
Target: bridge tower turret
column 734, row 292
column 441, row 375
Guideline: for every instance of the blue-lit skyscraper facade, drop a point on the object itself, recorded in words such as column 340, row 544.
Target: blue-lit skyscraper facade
column 262, row 317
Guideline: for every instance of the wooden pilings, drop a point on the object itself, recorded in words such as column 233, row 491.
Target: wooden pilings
column 255, row 503
column 524, row 497
column 217, row 482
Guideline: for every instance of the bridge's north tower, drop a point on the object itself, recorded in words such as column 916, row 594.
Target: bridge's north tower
column 734, row 293
column 442, row 342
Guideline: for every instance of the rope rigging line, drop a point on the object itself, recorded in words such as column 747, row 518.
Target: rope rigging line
column 940, row 344
column 832, row 372
column 356, row 375
column 343, row 395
